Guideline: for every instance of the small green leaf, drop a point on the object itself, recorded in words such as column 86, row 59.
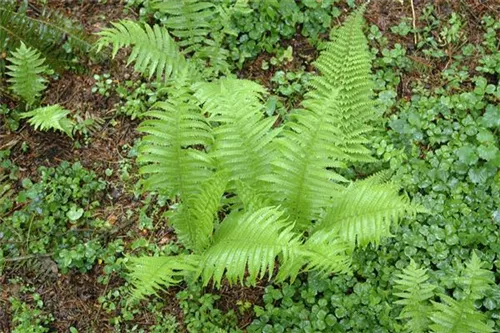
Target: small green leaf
column 74, row 214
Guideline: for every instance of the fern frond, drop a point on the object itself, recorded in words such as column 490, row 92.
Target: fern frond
column 414, row 295
column 475, row 279
column 25, row 73
column 188, row 20
column 303, row 178
column 250, row 243
column 194, row 221
column 50, row 117
column 242, row 133
column 148, row 275
column 457, row 317
column 363, row 212
column 345, row 66
column 173, row 149
column 46, row 32
column 154, row 52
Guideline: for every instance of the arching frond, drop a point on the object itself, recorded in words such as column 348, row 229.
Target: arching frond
column 194, row 220
column 250, row 243
column 453, row 316
column 242, row 134
column 25, row 71
column 46, row 32
column 154, row 52
column 173, row 149
column 363, row 212
column 414, row 293
column 148, row 275
column 50, row 117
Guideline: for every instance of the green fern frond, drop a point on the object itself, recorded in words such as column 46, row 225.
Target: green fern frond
column 25, row 73
column 46, row 32
column 188, row 20
column 250, row 243
column 414, row 295
column 148, row 275
column 345, row 66
column 363, row 212
column 457, row 317
column 50, row 117
column 154, row 52
column 475, row 279
column 242, row 133
column 251, row 198
column 303, row 178
column 194, row 220
column 173, row 149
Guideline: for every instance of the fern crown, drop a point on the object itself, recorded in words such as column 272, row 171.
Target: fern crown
column 247, row 193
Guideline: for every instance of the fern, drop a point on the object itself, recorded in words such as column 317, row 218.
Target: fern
column 449, row 315
column 415, row 293
column 50, row 117
column 457, row 317
column 156, row 273
column 345, row 67
column 25, row 72
column 154, row 52
column 174, row 162
column 46, row 32
column 194, row 220
column 363, row 212
column 242, row 135
column 209, row 145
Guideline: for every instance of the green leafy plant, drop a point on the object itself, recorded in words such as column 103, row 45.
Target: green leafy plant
column 450, row 315
column 50, row 33
column 50, row 117
column 25, row 71
column 282, row 181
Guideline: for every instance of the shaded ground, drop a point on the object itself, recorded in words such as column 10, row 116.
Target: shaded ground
column 73, row 298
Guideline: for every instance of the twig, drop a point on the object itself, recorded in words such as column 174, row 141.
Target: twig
column 414, row 21
column 30, row 256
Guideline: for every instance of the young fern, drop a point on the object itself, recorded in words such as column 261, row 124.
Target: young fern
column 449, row 315
column 25, row 71
column 415, row 294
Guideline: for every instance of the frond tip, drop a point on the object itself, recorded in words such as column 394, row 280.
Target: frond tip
column 150, row 274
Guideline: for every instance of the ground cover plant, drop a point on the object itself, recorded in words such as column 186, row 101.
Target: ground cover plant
column 139, row 173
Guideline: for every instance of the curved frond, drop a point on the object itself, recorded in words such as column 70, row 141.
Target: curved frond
column 148, row 275
column 194, row 220
column 25, row 73
column 363, row 212
column 242, row 133
column 46, row 32
column 414, row 293
column 154, row 52
column 50, row 117
column 173, row 149
column 250, row 243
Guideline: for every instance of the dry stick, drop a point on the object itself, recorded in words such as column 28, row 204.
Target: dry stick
column 414, row 21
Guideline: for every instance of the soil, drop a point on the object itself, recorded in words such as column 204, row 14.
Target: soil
column 73, row 298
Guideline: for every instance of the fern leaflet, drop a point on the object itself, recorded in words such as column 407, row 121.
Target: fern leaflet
column 50, row 117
